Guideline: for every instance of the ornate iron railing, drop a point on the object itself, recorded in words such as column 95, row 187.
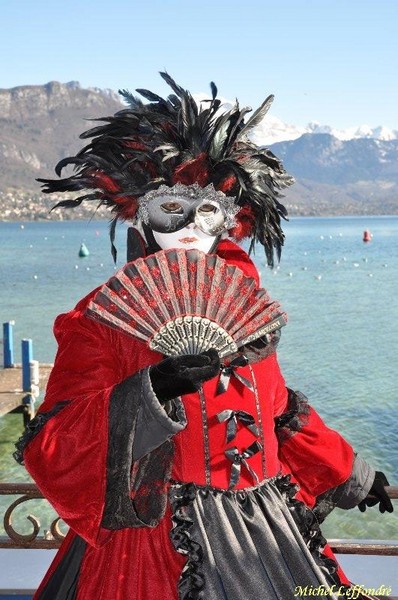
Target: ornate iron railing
column 46, row 539
column 52, row 538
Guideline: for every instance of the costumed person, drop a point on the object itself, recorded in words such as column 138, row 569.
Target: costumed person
column 168, row 440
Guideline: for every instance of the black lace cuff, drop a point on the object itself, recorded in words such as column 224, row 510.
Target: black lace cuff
column 33, row 428
column 294, row 419
column 260, row 349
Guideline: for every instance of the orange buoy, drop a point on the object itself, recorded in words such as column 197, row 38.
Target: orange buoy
column 367, row 236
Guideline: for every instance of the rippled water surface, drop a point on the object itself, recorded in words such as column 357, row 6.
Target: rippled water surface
column 339, row 346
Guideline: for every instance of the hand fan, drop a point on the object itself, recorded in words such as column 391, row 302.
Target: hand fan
column 186, row 302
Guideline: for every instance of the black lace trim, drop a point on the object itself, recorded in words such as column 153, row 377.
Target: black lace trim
column 34, row 427
column 260, row 349
column 327, row 502
column 192, row 580
column 182, row 495
column 294, row 419
column 308, row 526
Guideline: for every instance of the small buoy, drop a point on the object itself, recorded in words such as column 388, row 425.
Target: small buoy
column 367, row 236
column 318, row 277
column 83, row 250
column 22, row 226
column 34, row 276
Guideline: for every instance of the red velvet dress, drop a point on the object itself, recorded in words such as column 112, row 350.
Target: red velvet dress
column 69, row 459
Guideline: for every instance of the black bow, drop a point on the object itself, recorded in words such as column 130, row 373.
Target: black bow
column 228, row 370
column 232, row 417
column 240, row 459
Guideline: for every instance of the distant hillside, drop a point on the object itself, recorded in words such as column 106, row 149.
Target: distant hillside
column 358, row 176
column 41, row 124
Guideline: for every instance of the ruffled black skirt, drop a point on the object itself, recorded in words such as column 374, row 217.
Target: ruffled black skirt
column 251, row 544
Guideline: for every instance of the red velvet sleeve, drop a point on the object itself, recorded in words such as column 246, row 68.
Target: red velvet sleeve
column 318, row 457
column 79, row 448
column 67, row 458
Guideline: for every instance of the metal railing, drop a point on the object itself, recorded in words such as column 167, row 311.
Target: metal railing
column 36, row 539
column 52, row 538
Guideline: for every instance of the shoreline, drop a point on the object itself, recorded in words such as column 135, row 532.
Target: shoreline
column 33, row 206
column 105, row 218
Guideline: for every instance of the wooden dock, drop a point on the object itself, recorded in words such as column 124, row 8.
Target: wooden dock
column 11, row 389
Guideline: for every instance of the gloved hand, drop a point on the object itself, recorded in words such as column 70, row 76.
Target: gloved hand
column 178, row 375
column 377, row 495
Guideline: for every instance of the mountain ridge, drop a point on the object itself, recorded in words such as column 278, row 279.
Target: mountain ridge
column 41, row 124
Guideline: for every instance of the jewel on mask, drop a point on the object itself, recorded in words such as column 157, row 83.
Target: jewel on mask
column 211, row 218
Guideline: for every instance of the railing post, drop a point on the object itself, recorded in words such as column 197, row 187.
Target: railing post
column 8, row 344
column 27, row 357
column 30, row 380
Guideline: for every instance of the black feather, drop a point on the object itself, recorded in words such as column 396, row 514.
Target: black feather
column 112, row 232
column 177, row 89
column 258, row 115
column 149, row 95
column 139, row 148
column 68, row 203
column 214, row 90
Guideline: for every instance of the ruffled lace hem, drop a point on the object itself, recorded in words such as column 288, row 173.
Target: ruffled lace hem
column 280, row 537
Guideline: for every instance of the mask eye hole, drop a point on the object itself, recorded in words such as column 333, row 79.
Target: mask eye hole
column 207, row 209
column 172, row 207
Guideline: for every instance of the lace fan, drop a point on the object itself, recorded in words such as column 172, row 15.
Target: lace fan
column 186, row 302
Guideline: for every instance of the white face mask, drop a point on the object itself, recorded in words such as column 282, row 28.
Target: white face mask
column 190, row 237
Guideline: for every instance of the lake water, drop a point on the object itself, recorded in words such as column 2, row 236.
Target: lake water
column 339, row 347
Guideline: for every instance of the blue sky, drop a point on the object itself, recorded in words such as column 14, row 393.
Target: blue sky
column 331, row 61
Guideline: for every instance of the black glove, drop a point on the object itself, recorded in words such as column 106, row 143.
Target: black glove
column 178, row 375
column 377, row 495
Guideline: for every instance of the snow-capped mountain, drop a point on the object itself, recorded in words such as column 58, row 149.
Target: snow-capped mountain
column 354, row 171
column 273, row 130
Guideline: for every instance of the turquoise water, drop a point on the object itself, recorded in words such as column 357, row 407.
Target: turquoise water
column 339, row 346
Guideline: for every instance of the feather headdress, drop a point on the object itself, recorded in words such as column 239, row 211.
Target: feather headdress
column 173, row 140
